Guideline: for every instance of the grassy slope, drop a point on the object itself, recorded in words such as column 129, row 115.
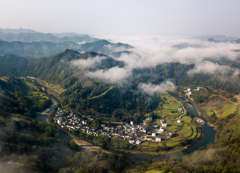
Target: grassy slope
column 220, row 156
column 185, row 130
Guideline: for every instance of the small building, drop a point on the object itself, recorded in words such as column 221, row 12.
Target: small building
column 138, row 141
column 180, row 109
column 59, row 120
column 163, row 122
column 131, row 122
column 153, row 134
column 155, row 125
column 158, row 139
column 149, row 119
column 161, row 130
column 170, row 134
column 149, row 138
column 197, row 89
column 131, row 141
column 179, row 121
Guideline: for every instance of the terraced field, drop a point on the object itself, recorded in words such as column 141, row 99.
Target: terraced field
column 221, row 112
column 57, row 88
column 36, row 95
column 168, row 109
column 184, row 131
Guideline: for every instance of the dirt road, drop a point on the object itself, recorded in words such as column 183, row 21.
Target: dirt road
column 88, row 146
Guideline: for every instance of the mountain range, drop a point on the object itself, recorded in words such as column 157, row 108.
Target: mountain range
column 29, row 43
column 43, row 48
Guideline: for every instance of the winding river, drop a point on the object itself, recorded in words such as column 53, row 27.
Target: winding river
column 207, row 138
column 44, row 118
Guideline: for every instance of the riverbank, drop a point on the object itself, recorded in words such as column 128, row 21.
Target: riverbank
column 207, row 137
column 200, row 113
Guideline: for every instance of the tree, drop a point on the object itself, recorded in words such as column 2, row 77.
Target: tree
column 73, row 145
column 149, row 125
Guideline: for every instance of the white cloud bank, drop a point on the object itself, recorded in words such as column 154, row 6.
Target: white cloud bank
column 151, row 51
column 208, row 67
column 114, row 74
column 88, row 63
column 152, row 89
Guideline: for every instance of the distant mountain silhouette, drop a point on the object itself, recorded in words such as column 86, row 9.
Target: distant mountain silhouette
column 17, row 31
column 212, row 40
column 38, row 37
column 216, row 37
column 43, row 48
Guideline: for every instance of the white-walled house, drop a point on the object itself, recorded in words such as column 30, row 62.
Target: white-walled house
column 163, row 122
column 179, row 121
column 161, row 130
column 131, row 141
column 138, row 141
column 153, row 134
column 180, row 109
column 158, row 139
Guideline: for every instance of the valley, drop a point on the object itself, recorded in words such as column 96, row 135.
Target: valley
column 180, row 131
column 208, row 137
column 98, row 108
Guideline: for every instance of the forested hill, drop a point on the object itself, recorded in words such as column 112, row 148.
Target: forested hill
column 21, row 97
column 93, row 96
column 59, row 67
column 28, row 145
column 39, row 37
column 38, row 49
column 50, row 67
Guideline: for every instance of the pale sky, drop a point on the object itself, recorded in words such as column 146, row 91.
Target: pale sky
column 124, row 17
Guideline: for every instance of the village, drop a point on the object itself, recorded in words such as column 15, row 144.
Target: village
column 135, row 134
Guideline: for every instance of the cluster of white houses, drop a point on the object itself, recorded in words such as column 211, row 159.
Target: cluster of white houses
column 189, row 91
column 135, row 134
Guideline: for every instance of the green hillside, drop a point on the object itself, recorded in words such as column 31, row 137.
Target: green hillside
column 28, row 145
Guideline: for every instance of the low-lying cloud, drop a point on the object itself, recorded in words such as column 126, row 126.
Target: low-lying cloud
column 152, row 89
column 208, row 67
column 114, row 74
column 89, row 62
column 151, row 51
column 110, row 48
column 155, row 50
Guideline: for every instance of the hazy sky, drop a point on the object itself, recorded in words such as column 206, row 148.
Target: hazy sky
column 124, row 17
